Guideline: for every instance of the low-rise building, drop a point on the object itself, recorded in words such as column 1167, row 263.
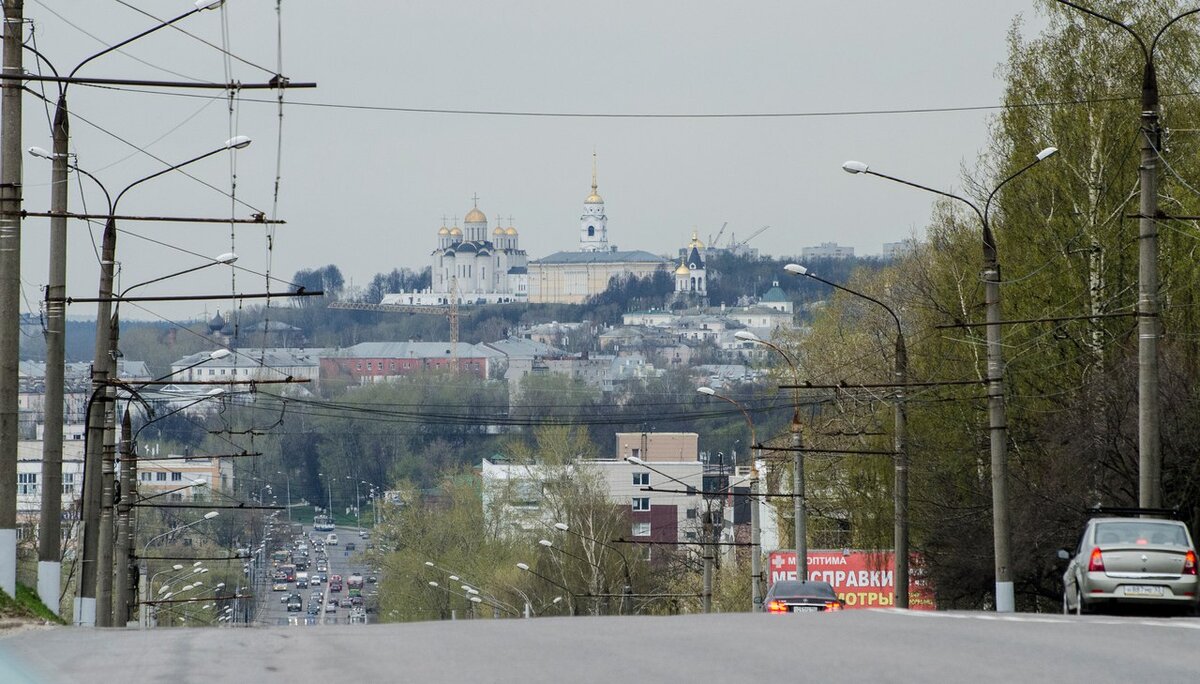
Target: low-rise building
column 30, row 485
column 372, row 362
column 178, row 477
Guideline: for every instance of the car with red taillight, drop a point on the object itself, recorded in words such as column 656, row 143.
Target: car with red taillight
column 1132, row 563
column 796, row 596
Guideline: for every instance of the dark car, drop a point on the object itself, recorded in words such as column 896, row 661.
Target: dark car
column 796, row 596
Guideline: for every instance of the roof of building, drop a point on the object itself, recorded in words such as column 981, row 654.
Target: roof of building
column 409, row 350
column 775, row 294
column 475, row 216
column 521, row 348
column 278, row 357
column 518, row 270
column 620, row 257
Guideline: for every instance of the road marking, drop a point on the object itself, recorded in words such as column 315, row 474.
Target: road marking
column 1183, row 623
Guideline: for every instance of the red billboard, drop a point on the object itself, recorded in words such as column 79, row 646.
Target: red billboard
column 863, row 579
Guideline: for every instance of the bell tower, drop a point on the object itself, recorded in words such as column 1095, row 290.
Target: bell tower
column 593, row 224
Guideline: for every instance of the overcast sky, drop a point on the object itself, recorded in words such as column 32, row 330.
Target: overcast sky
column 365, row 187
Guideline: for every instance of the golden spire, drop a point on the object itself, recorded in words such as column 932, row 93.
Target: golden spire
column 594, row 198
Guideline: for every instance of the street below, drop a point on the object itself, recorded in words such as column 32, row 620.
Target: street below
column 863, row 645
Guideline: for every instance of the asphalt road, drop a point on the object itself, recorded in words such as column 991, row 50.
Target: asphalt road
column 852, row 646
column 272, row 612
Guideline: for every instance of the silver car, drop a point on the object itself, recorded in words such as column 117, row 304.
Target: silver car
column 1140, row 562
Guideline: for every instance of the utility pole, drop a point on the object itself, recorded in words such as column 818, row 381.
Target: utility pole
column 108, row 469
column 755, row 536
column 50, row 529
column 707, row 535
column 800, row 522
column 10, row 285
column 122, row 556
column 1149, row 446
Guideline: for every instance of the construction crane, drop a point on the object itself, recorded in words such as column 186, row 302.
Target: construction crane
column 712, row 241
column 450, row 311
column 734, row 247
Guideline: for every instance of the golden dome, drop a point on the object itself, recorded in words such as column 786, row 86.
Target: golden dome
column 593, row 198
column 510, row 231
column 682, row 270
column 475, row 216
column 498, row 231
column 696, row 241
column 455, row 231
column 444, row 231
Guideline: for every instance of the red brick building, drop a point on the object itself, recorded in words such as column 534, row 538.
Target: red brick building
column 371, row 362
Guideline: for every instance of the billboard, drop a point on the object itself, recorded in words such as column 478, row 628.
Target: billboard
column 863, row 579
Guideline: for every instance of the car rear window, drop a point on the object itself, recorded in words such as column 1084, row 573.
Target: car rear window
column 797, row 588
column 1140, row 532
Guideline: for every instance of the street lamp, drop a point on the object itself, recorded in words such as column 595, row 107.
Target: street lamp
column 146, row 588
column 997, row 416
column 288, row 478
column 799, row 503
column 1149, row 323
column 627, row 590
column 526, row 568
column 96, row 552
column 49, row 567
column 755, row 542
column 900, row 561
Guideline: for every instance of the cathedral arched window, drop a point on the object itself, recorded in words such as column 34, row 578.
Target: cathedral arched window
column 591, row 231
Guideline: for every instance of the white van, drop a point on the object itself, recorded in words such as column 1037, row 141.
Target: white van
column 331, row 539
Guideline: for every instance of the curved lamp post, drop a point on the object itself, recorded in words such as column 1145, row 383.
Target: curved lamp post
column 535, row 573
column 627, row 590
column 900, row 458
column 94, row 587
column 997, row 417
column 146, row 588
column 1149, row 325
column 755, row 541
column 49, row 567
column 799, row 502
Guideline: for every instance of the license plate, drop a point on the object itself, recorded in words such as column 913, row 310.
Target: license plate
column 1141, row 590
column 804, row 609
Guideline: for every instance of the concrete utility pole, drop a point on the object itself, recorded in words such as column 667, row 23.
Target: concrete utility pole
column 10, row 285
column 900, row 457
column 997, row 413
column 50, row 530
column 1149, row 320
column 122, row 600
column 799, row 503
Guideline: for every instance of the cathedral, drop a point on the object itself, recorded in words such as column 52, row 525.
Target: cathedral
column 477, row 267
column 473, row 266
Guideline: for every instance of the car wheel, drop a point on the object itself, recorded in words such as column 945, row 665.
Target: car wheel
column 1078, row 602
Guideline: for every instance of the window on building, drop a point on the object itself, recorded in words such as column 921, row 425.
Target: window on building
column 144, row 477
column 642, row 479
column 641, row 503
column 637, row 453
column 358, row 366
column 176, row 477
column 27, row 483
column 691, row 513
column 690, row 536
column 641, row 529
column 691, row 490
column 175, row 497
column 160, row 477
